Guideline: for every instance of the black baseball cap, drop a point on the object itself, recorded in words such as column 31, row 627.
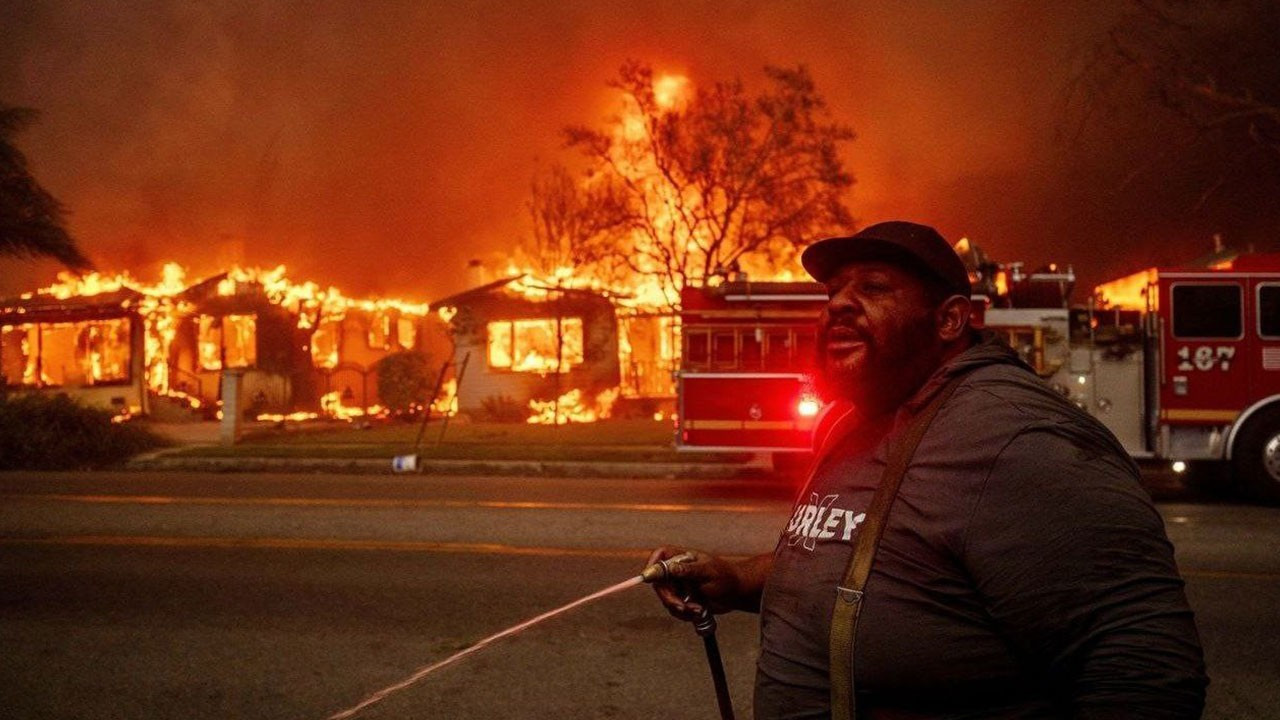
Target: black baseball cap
column 918, row 247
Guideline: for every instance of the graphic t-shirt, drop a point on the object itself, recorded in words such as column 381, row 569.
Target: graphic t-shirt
column 1023, row 572
column 809, row 562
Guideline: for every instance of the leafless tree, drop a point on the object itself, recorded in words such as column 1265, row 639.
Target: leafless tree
column 1213, row 65
column 572, row 218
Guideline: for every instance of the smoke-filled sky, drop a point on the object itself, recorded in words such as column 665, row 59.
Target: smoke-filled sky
column 380, row 145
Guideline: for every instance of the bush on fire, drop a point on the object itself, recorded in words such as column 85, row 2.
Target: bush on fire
column 54, row 432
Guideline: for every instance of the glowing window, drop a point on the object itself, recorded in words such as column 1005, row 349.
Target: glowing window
column 57, row 350
column 326, row 341
column 18, row 354
column 103, row 351
column 380, row 332
column 233, row 337
column 499, row 344
column 406, row 333
column 536, row 345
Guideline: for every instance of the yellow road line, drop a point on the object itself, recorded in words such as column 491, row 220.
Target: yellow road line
column 425, row 546
column 278, row 543
column 382, row 503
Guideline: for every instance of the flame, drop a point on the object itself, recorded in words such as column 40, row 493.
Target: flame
column 162, row 309
column 447, row 402
column 670, row 91
column 1128, row 292
column 570, row 407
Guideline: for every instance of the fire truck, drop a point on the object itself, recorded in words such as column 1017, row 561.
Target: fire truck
column 1184, row 369
column 744, row 382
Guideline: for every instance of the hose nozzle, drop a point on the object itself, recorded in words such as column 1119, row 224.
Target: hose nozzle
column 661, row 570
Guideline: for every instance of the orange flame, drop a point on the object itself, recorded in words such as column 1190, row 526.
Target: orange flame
column 570, row 407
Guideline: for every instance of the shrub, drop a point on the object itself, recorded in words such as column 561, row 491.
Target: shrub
column 502, row 409
column 404, row 379
column 54, row 432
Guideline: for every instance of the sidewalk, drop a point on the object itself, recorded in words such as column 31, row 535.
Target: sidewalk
column 479, row 450
column 756, row 468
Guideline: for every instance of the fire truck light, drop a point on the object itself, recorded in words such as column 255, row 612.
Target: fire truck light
column 808, row 407
column 1179, row 466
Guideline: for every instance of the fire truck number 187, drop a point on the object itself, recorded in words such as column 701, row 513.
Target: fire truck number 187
column 1205, row 357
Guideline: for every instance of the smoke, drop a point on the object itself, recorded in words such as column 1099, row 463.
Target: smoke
column 378, row 146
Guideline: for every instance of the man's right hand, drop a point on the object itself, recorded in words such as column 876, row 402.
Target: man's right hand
column 722, row 585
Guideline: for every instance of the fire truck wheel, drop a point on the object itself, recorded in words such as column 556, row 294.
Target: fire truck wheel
column 1256, row 456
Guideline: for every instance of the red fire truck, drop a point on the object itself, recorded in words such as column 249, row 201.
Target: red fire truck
column 1190, row 372
column 744, row 380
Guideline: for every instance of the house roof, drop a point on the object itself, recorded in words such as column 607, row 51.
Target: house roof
column 47, row 308
column 481, row 292
column 474, row 293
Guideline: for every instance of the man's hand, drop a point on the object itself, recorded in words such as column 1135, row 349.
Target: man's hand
column 722, row 585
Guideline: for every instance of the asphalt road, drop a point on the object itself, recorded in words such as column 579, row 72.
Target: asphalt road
column 219, row 596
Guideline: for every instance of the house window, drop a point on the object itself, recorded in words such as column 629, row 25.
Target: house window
column 66, row 354
column 17, row 354
column 406, row 332
column 536, row 345
column 379, row 336
column 103, row 351
column 326, row 342
column 1207, row 310
column 230, row 337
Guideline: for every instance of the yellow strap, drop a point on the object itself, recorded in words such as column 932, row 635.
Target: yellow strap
column 848, row 603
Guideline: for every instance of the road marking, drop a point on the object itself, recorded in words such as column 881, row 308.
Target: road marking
column 386, row 503
column 425, row 546
column 280, row 543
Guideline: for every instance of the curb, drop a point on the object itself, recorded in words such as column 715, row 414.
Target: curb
column 527, row 468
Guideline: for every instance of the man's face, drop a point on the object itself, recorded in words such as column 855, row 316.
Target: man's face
column 878, row 339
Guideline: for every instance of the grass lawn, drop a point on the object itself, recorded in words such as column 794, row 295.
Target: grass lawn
column 611, row 440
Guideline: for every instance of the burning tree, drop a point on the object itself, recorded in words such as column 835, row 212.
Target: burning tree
column 30, row 218
column 689, row 184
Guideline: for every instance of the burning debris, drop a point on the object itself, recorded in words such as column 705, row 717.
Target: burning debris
column 570, row 408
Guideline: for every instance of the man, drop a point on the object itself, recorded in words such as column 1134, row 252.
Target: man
column 1022, row 571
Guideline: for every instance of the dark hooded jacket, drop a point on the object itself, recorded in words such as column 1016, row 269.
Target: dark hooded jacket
column 1023, row 571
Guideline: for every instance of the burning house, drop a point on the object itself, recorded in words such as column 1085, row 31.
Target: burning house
column 162, row 349
column 545, row 350
column 92, row 345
